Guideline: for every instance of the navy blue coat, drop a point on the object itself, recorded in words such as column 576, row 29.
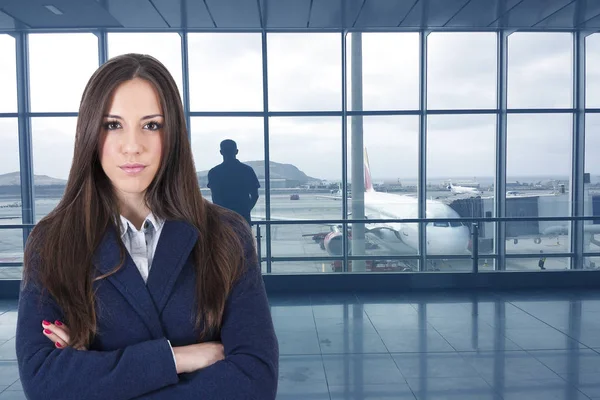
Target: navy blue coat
column 130, row 357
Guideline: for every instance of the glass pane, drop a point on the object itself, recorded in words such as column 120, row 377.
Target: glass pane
column 247, row 132
column 305, row 240
column 165, row 47
column 538, row 263
column 305, row 71
column 225, row 71
column 592, row 189
column 11, row 248
column 592, row 262
column 391, row 155
column 390, row 71
column 592, row 77
column 60, row 66
column 8, row 74
column 538, row 174
column 10, row 178
column 540, row 73
column 461, row 70
column 305, row 167
column 301, row 267
column 460, row 179
column 53, row 141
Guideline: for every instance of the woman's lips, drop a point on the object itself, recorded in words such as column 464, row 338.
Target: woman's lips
column 133, row 169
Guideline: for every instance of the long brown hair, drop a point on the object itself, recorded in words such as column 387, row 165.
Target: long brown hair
column 62, row 245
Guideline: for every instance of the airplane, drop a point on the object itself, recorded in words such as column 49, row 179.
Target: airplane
column 463, row 190
column 442, row 238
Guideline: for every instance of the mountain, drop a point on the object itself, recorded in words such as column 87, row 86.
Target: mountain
column 14, row 179
column 288, row 172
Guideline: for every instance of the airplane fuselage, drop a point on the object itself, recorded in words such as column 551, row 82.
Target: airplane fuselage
column 442, row 238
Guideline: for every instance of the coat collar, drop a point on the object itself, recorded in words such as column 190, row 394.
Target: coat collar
column 175, row 244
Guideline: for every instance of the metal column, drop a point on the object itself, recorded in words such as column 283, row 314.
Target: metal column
column 357, row 151
column 185, row 66
column 266, row 144
column 422, row 186
column 501, row 132
column 25, row 145
column 578, row 149
column 344, row 185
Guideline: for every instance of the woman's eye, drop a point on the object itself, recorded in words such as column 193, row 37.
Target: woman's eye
column 153, row 126
column 112, row 125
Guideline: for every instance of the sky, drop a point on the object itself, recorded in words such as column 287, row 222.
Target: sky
column 304, row 74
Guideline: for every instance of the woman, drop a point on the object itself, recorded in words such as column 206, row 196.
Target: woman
column 135, row 286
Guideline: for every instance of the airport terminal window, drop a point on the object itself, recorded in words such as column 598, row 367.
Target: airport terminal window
column 304, row 71
column 592, row 189
column 8, row 74
column 540, row 73
column 10, row 187
column 225, row 71
column 166, row 47
column 592, row 77
column 461, row 170
column 53, row 141
column 306, row 181
column 248, row 132
column 391, row 147
column 58, row 74
column 592, row 144
column 538, row 169
column 390, row 65
column 461, row 70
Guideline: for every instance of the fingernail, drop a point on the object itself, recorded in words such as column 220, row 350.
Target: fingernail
column 58, row 323
column 47, row 331
column 58, row 344
column 46, row 322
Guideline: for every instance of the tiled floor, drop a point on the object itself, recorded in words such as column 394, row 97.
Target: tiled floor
column 421, row 346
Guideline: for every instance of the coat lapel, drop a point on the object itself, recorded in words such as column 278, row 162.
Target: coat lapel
column 128, row 281
column 175, row 245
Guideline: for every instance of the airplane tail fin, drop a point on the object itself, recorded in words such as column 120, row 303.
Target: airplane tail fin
column 368, row 180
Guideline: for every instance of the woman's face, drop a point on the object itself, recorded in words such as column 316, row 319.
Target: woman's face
column 131, row 149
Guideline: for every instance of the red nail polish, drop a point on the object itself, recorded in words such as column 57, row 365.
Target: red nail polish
column 47, row 331
column 58, row 344
column 46, row 323
column 57, row 323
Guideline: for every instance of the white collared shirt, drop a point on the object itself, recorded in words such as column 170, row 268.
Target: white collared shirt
column 141, row 244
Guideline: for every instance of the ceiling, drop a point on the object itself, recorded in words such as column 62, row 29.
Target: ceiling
column 301, row 15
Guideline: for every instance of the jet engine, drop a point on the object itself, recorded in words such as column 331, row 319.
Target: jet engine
column 333, row 244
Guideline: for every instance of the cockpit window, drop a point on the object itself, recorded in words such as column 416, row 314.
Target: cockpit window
column 455, row 224
column 441, row 224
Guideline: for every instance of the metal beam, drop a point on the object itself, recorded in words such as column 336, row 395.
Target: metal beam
column 186, row 81
column 357, row 151
column 25, row 145
column 578, row 151
column 422, row 186
column 266, row 147
column 344, row 185
column 501, row 133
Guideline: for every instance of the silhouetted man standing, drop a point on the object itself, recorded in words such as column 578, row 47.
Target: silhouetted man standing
column 233, row 185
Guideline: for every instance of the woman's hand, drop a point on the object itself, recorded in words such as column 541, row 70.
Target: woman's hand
column 198, row 356
column 58, row 333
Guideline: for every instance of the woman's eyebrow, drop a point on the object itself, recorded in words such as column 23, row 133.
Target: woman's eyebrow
column 143, row 118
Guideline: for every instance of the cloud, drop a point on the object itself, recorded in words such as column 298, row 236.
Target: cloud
column 9, row 151
column 8, row 78
column 60, row 66
column 305, row 75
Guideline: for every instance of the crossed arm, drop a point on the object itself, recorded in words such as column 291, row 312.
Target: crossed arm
column 147, row 370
